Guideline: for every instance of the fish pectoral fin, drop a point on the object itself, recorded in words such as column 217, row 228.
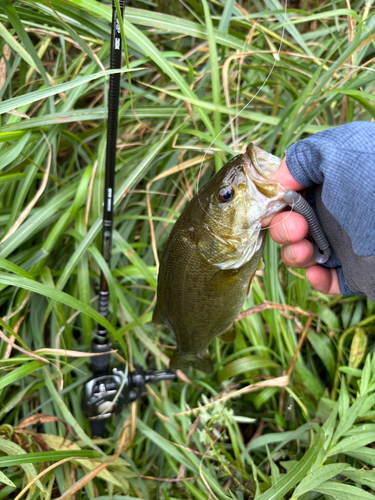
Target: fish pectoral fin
column 183, row 361
column 157, row 315
column 223, row 280
column 251, row 282
column 229, row 335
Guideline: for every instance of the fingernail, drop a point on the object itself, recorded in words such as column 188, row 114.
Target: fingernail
column 289, row 253
column 281, row 231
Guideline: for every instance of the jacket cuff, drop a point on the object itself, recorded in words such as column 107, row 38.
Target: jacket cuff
column 303, row 162
column 345, row 290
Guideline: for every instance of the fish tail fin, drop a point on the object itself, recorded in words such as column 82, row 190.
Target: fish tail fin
column 183, row 361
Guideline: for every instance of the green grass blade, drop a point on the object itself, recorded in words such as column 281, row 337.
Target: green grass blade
column 278, row 491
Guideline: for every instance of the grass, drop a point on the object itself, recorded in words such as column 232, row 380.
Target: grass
column 242, row 432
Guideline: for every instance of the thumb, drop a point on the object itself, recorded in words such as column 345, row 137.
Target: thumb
column 287, row 181
column 285, row 178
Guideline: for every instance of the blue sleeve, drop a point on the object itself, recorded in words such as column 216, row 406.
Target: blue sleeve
column 343, row 160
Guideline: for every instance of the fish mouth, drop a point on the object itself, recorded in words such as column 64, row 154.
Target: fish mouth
column 258, row 165
column 264, row 164
column 251, row 160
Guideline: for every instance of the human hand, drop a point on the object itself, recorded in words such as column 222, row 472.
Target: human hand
column 290, row 229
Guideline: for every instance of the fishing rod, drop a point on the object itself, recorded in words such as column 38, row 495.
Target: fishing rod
column 107, row 394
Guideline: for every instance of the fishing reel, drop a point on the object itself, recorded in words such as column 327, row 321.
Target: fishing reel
column 108, row 395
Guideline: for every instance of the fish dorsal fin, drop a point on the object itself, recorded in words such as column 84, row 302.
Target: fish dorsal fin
column 229, row 335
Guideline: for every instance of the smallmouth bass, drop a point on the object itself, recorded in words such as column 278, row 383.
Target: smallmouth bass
column 210, row 259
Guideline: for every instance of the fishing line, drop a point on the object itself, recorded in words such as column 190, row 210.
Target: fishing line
column 236, row 116
column 274, row 225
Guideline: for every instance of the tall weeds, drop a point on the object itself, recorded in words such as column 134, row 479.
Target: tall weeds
column 245, row 431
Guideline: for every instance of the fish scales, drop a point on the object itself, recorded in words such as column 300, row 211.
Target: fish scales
column 211, row 257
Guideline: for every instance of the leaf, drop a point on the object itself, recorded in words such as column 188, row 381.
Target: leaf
column 275, row 473
column 46, row 456
column 38, row 95
column 366, row 376
column 322, row 345
column 60, row 444
column 359, row 96
column 353, row 93
column 280, row 437
column 353, row 372
column 9, row 266
column 308, row 379
column 339, row 491
column 16, row 46
column 360, row 429
column 365, row 454
column 366, row 477
column 368, row 403
column 244, row 420
column 352, row 443
column 289, row 465
column 11, row 448
column 56, row 295
column 40, row 219
column 12, row 15
column 357, row 348
column 241, row 365
column 19, row 373
column 134, row 258
column 226, row 16
column 66, row 414
column 278, row 491
column 133, row 177
column 158, row 58
column 215, row 77
column 251, row 115
column 329, row 318
column 4, row 479
column 12, row 152
column 317, row 477
column 348, row 419
column 13, row 401
column 323, row 411
column 343, row 399
column 284, row 19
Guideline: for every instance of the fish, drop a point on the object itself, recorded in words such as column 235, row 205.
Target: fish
column 214, row 249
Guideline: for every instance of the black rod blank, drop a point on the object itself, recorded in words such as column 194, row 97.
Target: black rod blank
column 101, row 343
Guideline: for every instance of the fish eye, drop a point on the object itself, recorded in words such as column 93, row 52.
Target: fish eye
column 226, row 194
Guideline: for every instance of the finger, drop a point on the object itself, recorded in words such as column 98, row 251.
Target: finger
column 285, row 178
column 288, row 227
column 324, row 280
column 298, row 254
column 267, row 222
